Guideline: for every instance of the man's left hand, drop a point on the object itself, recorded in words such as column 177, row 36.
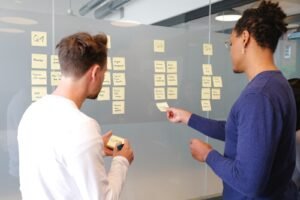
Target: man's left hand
column 199, row 149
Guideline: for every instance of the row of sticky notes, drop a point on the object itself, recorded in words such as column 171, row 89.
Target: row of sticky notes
column 211, row 93
column 39, row 61
column 119, row 79
column 161, row 66
column 207, row 81
column 160, row 93
column 39, row 77
column 160, row 80
column 118, row 93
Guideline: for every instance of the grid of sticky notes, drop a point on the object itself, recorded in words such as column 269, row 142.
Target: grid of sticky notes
column 165, row 78
column 211, row 85
column 113, row 87
column 39, row 65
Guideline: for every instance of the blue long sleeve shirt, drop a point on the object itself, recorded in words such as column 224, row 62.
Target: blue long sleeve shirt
column 259, row 135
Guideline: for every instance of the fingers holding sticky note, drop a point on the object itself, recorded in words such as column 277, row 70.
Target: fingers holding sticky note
column 162, row 106
column 115, row 141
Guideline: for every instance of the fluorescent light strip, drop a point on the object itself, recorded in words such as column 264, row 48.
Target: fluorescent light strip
column 18, row 20
column 228, row 18
column 11, row 30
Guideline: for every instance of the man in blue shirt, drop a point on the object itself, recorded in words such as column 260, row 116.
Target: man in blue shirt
column 259, row 134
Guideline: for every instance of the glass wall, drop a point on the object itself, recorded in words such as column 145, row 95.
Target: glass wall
column 163, row 167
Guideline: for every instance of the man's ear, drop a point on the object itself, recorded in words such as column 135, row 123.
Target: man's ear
column 94, row 70
column 246, row 38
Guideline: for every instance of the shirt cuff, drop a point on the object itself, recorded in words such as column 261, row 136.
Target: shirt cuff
column 122, row 160
column 212, row 157
column 192, row 121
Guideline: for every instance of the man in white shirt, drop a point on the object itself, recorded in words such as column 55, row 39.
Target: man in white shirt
column 61, row 149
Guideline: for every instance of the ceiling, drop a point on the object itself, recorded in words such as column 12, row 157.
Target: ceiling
column 143, row 11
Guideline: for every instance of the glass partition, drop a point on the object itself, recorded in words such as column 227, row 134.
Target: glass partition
column 152, row 64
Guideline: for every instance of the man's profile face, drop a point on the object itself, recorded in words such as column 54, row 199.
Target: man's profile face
column 236, row 52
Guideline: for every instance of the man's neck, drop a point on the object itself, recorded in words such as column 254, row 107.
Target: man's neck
column 259, row 61
column 73, row 90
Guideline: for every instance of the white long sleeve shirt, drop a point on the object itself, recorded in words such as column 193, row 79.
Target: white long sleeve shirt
column 61, row 155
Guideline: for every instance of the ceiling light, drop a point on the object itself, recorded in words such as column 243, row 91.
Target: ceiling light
column 125, row 23
column 11, row 30
column 18, row 20
column 292, row 26
column 228, row 16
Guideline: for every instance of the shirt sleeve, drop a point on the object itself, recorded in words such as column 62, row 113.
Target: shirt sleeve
column 209, row 127
column 259, row 127
column 86, row 166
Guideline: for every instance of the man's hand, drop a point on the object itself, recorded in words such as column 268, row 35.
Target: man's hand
column 126, row 152
column 177, row 115
column 199, row 149
column 105, row 138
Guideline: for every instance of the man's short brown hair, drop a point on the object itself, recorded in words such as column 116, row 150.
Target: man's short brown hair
column 78, row 52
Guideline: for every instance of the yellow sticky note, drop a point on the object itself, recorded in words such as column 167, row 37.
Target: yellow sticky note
column 39, row 39
column 39, row 77
column 218, row 81
column 159, row 46
column 115, row 141
column 159, row 66
column 159, row 80
column 206, row 81
column 107, row 79
column 104, row 94
column 215, row 93
column 38, row 92
column 162, row 106
column 119, row 63
column 207, row 49
column 172, row 92
column 207, row 69
column 172, row 79
column 172, row 66
column 108, row 41
column 205, row 93
column 39, row 61
column 118, row 107
column 108, row 63
column 159, row 93
column 55, row 78
column 55, row 62
column 118, row 93
column 206, row 106
column 119, row 79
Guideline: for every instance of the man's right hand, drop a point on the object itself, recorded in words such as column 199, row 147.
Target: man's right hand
column 177, row 115
column 126, row 151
